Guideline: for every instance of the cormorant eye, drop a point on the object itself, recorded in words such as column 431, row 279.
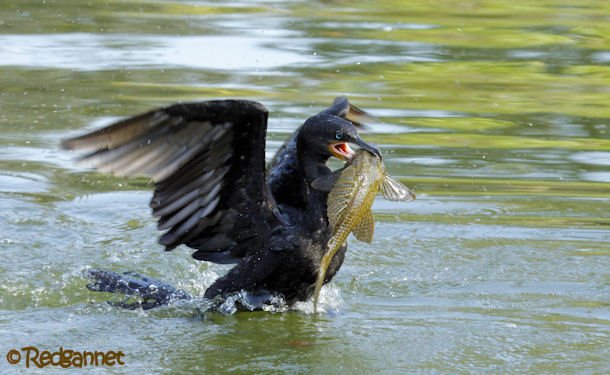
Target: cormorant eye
column 339, row 135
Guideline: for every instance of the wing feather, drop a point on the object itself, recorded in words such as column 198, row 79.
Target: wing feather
column 207, row 161
column 343, row 108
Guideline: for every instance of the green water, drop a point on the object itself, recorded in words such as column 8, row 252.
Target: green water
column 496, row 112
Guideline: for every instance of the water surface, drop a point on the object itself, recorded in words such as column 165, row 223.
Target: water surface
column 495, row 112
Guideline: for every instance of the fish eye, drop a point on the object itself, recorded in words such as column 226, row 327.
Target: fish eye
column 339, row 134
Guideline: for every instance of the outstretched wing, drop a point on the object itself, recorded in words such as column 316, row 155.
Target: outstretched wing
column 207, row 161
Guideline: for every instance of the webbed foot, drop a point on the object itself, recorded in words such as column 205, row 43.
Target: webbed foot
column 152, row 292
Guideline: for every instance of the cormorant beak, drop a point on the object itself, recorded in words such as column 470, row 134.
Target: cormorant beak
column 343, row 151
column 369, row 147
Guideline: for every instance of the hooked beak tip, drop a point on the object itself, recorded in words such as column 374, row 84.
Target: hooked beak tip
column 370, row 148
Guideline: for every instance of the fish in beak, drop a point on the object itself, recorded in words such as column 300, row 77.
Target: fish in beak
column 343, row 150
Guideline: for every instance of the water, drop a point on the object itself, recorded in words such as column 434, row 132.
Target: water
column 495, row 112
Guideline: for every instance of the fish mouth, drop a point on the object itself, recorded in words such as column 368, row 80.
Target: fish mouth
column 341, row 150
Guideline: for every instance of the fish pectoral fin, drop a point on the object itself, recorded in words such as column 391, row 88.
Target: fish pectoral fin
column 363, row 231
column 394, row 190
column 326, row 183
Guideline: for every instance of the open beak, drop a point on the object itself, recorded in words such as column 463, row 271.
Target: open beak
column 341, row 150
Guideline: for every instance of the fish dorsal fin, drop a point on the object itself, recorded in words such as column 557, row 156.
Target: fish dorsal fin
column 363, row 231
column 326, row 183
column 394, row 190
column 341, row 195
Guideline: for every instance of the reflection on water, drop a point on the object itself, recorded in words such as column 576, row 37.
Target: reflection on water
column 92, row 52
column 495, row 112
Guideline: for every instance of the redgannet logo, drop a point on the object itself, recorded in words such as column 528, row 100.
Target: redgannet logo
column 31, row 356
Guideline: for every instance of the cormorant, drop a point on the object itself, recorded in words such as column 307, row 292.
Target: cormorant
column 213, row 193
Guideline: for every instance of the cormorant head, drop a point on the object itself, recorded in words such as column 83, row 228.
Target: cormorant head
column 325, row 135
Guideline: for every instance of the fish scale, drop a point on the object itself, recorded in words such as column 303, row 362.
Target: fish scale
column 363, row 197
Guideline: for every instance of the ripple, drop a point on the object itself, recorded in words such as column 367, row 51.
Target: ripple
column 23, row 183
column 392, row 112
column 425, row 161
column 602, row 57
column 103, row 208
column 377, row 26
column 596, row 176
column 87, row 52
column 36, row 155
column 592, row 158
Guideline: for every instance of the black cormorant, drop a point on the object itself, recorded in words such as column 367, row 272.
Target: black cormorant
column 214, row 194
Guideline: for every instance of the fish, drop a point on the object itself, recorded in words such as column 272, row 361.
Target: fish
column 352, row 190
